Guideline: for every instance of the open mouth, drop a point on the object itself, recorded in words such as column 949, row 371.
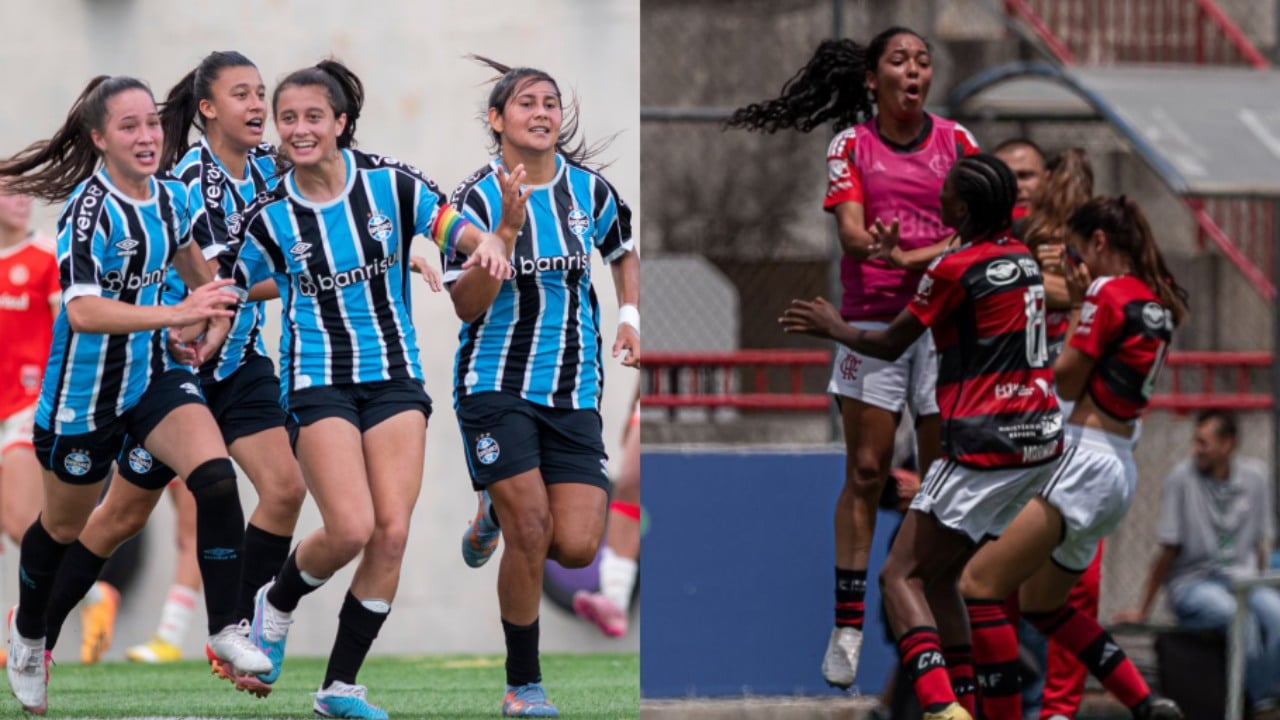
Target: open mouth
column 912, row 91
column 255, row 125
column 146, row 157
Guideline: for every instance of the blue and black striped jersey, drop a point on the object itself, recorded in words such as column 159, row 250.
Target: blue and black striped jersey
column 541, row 337
column 112, row 246
column 216, row 203
column 343, row 272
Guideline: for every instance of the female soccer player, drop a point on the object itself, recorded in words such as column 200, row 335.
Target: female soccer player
column 1109, row 369
column 222, row 174
column 334, row 237
column 529, row 370
column 984, row 302
column 889, row 167
column 106, row 379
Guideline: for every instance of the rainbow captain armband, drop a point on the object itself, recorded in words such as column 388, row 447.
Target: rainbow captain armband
column 447, row 229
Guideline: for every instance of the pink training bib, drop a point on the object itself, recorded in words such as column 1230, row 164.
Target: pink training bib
column 905, row 186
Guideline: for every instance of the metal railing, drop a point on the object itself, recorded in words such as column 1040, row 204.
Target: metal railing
column 795, row 380
column 1236, row 643
column 1243, row 230
column 1152, row 31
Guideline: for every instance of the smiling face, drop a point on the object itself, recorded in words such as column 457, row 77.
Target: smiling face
column 130, row 137
column 308, row 128
column 902, row 76
column 236, row 111
column 531, row 119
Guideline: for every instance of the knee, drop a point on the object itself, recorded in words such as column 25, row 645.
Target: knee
column 283, row 492
column 977, row 584
column 121, row 523
column 388, row 544
column 865, row 474
column 213, row 480
column 350, row 536
column 528, row 529
column 64, row 531
column 577, row 550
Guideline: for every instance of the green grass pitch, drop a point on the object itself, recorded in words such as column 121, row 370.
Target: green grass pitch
column 605, row 686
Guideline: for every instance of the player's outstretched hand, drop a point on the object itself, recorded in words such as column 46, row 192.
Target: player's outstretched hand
column 514, row 195
column 493, row 255
column 627, row 345
column 816, row 317
column 211, row 300
column 428, row 272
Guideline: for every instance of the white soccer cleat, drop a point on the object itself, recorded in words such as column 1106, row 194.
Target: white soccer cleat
column 232, row 645
column 28, row 670
column 840, row 664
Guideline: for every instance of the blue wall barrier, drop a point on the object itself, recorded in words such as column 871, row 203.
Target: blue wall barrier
column 739, row 575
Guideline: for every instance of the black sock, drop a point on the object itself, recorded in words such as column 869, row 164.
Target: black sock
column 264, row 555
column 358, row 626
column 38, row 564
column 522, row 653
column 289, row 587
column 493, row 515
column 851, row 594
column 79, row 571
column 219, row 539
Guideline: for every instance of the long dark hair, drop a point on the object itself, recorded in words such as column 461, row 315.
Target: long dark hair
column 510, row 81
column 988, row 189
column 1069, row 185
column 345, row 91
column 1127, row 231
column 181, row 106
column 831, row 86
column 51, row 169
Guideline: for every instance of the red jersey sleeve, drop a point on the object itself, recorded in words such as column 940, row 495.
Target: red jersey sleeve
column 844, row 182
column 938, row 294
column 966, row 144
column 1099, row 320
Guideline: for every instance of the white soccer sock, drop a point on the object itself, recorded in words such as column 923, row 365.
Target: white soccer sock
column 617, row 577
column 179, row 605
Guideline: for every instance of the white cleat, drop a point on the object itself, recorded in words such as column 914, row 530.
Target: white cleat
column 233, row 646
column 28, row 671
column 840, row 664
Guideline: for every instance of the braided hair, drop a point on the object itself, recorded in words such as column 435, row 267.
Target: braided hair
column 989, row 190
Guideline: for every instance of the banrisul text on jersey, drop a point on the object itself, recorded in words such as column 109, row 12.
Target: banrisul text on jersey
column 112, row 246
column 343, row 272
column 541, row 337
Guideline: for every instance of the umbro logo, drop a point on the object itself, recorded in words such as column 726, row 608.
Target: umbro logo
column 301, row 250
column 127, row 246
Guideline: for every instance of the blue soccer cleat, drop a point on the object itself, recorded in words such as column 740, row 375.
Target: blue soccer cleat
column 269, row 631
column 528, row 701
column 341, row 700
column 481, row 538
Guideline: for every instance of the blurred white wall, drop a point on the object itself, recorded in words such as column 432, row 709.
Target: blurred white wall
column 423, row 105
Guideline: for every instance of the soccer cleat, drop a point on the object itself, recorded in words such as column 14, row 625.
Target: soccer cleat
column 244, row 682
column 1161, row 709
column 600, row 610
column 98, row 622
column 28, row 669
column 528, row 701
column 481, row 538
column 341, row 700
column 154, row 651
column 269, row 631
column 840, row 664
column 231, row 645
column 954, row 711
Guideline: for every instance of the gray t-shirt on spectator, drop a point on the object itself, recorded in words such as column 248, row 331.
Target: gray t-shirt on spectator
column 1217, row 524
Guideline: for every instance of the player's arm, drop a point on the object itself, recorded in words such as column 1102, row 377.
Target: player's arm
column 626, row 283
column 1155, row 580
column 851, row 226
column 821, row 319
column 474, row 290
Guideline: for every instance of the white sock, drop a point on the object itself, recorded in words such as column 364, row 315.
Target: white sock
column 179, row 605
column 94, row 595
column 617, row 577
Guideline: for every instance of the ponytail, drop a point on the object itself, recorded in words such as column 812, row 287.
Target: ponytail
column 51, row 169
column 1128, row 232
column 182, row 105
column 831, row 86
column 345, row 91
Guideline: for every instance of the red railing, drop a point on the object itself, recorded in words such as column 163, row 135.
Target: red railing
column 1243, row 230
column 746, row 380
column 775, row 380
column 1100, row 32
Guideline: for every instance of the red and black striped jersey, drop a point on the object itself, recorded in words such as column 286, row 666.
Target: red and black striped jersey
column 1126, row 330
column 985, row 305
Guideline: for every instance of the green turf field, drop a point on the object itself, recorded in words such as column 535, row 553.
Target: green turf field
column 582, row 686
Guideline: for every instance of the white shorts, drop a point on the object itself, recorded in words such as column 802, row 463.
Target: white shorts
column 913, row 377
column 1092, row 486
column 978, row 503
column 16, row 430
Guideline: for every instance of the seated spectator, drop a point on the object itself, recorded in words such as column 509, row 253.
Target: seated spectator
column 1216, row 526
